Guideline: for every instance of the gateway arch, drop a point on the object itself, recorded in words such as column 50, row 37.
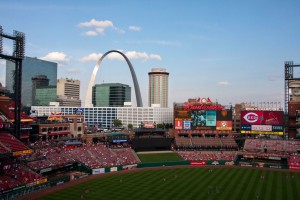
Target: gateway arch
column 88, row 98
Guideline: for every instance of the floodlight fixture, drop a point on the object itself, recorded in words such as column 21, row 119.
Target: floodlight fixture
column 19, row 45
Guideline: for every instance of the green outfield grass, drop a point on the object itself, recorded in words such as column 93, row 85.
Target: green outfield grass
column 159, row 157
column 189, row 183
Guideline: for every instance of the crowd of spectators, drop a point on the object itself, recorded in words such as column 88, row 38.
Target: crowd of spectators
column 13, row 175
column 262, row 145
column 207, row 155
column 90, row 154
column 215, row 143
column 294, row 161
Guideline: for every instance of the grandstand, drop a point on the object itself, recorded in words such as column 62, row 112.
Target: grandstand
column 205, row 143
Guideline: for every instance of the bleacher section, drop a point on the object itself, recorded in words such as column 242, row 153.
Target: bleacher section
column 9, row 142
column 260, row 145
column 207, row 155
column 294, row 162
column 92, row 156
column 205, row 143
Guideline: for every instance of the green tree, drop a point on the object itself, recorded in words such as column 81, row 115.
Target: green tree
column 130, row 126
column 160, row 126
column 117, row 123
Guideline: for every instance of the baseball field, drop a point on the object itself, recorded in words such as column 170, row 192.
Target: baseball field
column 189, row 183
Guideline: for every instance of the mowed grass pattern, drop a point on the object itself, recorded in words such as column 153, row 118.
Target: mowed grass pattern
column 159, row 157
column 190, row 183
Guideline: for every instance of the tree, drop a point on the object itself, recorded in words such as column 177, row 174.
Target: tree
column 117, row 123
column 160, row 126
column 130, row 126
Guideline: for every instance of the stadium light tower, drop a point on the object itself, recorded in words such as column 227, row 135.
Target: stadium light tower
column 17, row 57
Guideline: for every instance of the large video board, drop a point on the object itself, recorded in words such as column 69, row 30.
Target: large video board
column 262, row 122
column 204, row 120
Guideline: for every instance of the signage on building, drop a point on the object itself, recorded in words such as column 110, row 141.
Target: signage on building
column 55, row 116
column 178, row 124
column 187, row 125
column 202, row 104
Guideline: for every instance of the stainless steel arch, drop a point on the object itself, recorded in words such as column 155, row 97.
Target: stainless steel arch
column 88, row 98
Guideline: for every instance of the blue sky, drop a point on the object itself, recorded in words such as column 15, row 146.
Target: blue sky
column 231, row 51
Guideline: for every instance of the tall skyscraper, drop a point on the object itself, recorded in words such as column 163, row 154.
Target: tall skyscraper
column 31, row 67
column 68, row 92
column 111, row 95
column 158, row 87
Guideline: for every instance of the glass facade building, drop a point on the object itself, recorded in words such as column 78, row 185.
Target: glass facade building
column 45, row 95
column 111, row 95
column 31, row 68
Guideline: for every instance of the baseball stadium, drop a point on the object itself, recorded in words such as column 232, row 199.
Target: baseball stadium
column 200, row 157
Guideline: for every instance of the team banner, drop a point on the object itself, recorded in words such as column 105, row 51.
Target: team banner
column 262, row 117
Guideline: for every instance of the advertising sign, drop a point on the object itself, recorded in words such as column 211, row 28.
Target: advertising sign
column 224, row 125
column 261, row 127
column 55, row 116
column 262, row 117
column 187, row 125
column 178, row 124
column 182, row 114
column 211, row 118
column 98, row 171
column 277, row 128
column 198, row 163
column 262, row 132
column 149, row 125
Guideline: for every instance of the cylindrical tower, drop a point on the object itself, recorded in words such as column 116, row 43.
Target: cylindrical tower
column 158, row 87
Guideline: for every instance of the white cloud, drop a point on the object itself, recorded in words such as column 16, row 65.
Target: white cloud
column 155, row 57
column 223, row 83
column 59, row 57
column 142, row 55
column 91, row 57
column 116, row 56
column 91, row 33
column 98, row 24
column 134, row 28
column 98, row 27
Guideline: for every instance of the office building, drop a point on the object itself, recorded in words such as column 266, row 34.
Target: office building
column 45, row 95
column 111, row 95
column 68, row 92
column 38, row 82
column 104, row 116
column 158, row 87
column 31, row 68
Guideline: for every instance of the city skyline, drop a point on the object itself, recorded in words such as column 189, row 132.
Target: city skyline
column 230, row 51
